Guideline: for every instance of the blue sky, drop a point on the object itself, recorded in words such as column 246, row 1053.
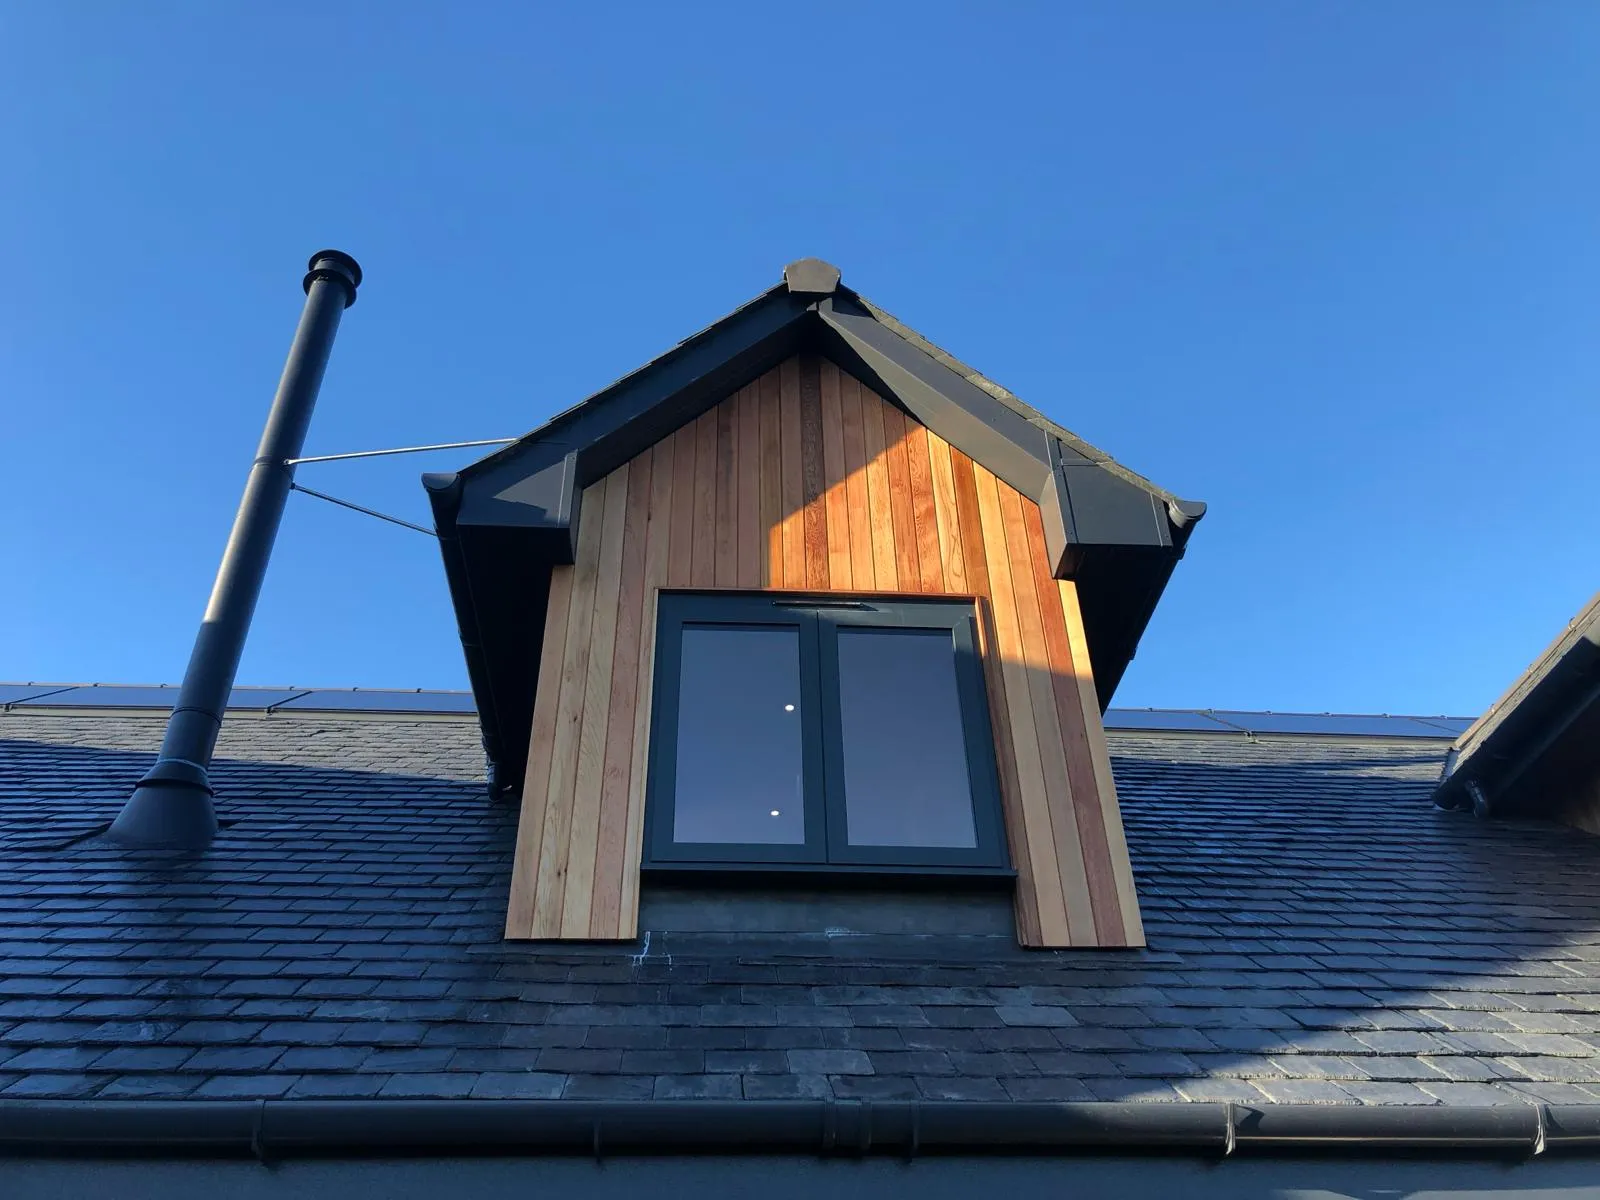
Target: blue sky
column 1333, row 268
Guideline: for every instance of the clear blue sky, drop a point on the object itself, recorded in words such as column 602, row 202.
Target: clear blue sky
column 1333, row 268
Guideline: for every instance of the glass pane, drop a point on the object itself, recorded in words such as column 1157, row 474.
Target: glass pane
column 905, row 759
column 739, row 737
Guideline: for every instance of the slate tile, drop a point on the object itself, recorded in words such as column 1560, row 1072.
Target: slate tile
column 1038, row 1016
column 46, row 1033
column 608, row 1087
column 1141, row 1090
column 1372, row 1092
column 1096, row 1038
column 1303, row 1091
column 441, row 1084
column 1541, row 1068
column 1026, row 1038
column 150, row 1087
column 968, row 1040
column 1173, row 1039
column 337, row 1087
column 663, row 1062
column 140, row 1058
column 717, row 1038
column 580, row 1062
column 1219, row 1091
column 964, row 1087
column 1469, row 1069
column 217, row 1032
column 1046, row 1089
column 528, row 1037
column 520, row 1085
column 1470, row 1094
column 784, row 1039
column 54, row 1058
column 1552, row 1092
column 1153, row 1065
column 73, row 1085
column 245, row 1087
column 873, row 1038
column 324, row 1058
column 899, row 1016
column 874, row 1087
column 746, row 1062
column 698, row 1087
column 414, row 1061
column 830, row 1062
column 1556, row 1044
column 961, row 1016
column 787, row 1087
column 1320, row 1066
column 1067, row 1062
column 910, row 1062
column 1466, row 1022
column 627, row 1037
column 1401, row 1042
column 233, row 1058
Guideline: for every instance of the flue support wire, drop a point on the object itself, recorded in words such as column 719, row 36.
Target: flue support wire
column 294, row 462
column 371, row 512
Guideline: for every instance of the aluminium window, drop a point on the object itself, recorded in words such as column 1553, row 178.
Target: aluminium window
column 828, row 733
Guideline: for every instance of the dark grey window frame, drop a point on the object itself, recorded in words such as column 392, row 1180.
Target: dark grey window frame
column 818, row 619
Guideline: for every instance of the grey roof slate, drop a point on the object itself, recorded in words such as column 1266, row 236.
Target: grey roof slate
column 1318, row 931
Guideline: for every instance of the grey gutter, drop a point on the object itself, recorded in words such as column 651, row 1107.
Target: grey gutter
column 276, row 1129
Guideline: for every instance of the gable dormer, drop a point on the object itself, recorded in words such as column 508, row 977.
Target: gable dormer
column 806, row 596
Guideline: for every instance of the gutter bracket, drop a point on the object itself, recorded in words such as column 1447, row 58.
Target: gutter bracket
column 258, row 1144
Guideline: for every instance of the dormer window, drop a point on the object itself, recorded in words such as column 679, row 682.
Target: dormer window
column 806, row 596
column 826, row 732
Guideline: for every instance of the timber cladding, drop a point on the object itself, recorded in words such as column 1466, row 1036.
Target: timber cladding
column 808, row 480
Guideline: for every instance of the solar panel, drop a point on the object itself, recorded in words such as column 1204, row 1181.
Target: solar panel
column 1456, row 726
column 15, row 693
column 1349, row 725
column 155, row 696
column 379, row 700
column 1178, row 719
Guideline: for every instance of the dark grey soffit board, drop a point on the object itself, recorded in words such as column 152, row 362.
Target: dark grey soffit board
column 1536, row 712
column 283, row 1129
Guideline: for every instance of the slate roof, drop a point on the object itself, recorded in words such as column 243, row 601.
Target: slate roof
column 1318, row 932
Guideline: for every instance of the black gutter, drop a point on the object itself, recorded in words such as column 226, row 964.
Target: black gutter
column 277, row 1129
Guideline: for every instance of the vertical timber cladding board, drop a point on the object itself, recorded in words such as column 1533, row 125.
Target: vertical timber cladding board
column 807, row 479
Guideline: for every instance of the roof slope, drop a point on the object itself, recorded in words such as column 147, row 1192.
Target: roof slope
column 1318, row 931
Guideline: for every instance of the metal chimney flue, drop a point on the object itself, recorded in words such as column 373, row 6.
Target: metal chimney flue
column 171, row 807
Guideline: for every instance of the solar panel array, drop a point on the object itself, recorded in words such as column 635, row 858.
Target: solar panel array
column 158, row 697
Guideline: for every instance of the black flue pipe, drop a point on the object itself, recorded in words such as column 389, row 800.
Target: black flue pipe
column 171, row 806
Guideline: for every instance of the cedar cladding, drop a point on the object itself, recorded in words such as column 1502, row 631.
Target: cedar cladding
column 808, row 480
